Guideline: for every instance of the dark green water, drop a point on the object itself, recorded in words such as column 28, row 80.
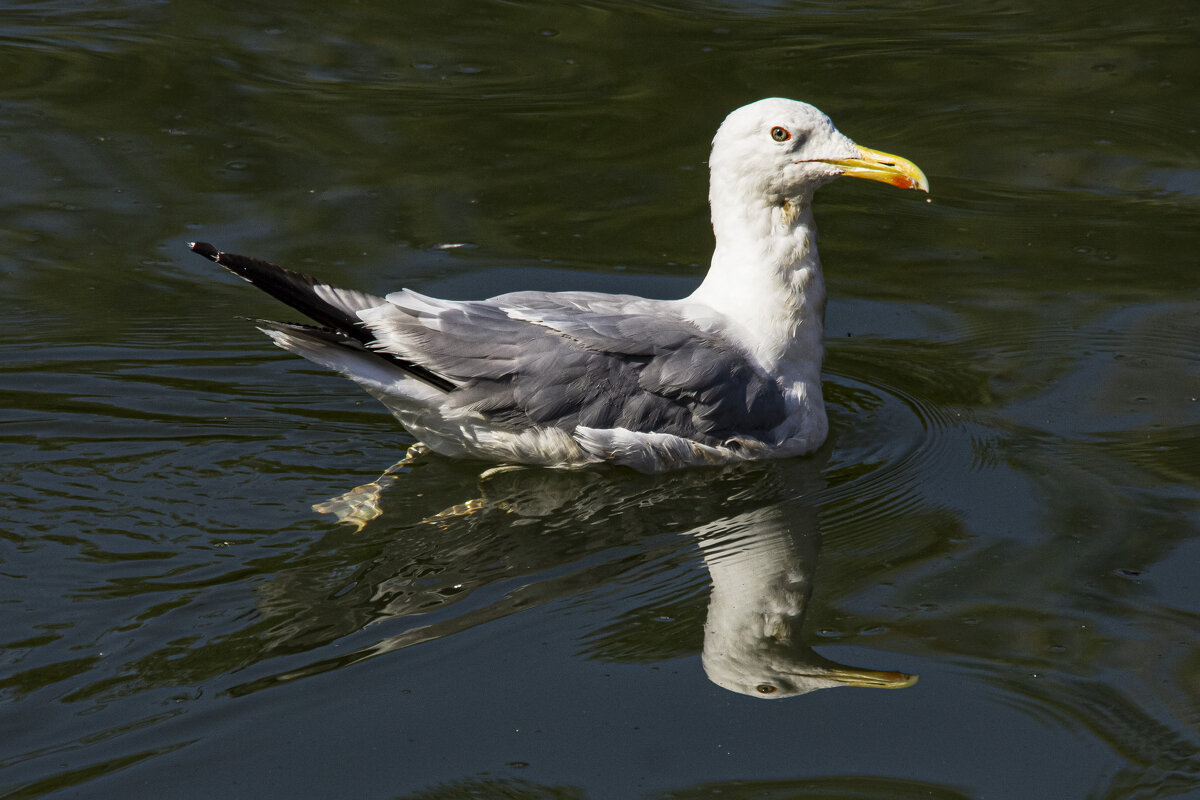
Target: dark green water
column 1009, row 504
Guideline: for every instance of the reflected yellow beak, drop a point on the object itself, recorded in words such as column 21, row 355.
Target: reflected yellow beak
column 870, row 678
column 876, row 166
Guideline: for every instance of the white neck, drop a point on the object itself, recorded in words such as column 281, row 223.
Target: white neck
column 766, row 277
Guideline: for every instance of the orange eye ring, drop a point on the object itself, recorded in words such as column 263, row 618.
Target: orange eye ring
column 766, row 688
column 780, row 134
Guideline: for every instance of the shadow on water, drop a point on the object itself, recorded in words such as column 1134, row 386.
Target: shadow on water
column 531, row 530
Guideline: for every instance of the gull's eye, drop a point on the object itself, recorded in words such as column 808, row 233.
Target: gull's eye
column 766, row 688
column 780, row 134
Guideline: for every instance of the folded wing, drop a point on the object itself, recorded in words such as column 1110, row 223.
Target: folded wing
column 574, row 359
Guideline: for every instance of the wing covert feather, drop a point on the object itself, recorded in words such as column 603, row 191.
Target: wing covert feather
column 575, row 358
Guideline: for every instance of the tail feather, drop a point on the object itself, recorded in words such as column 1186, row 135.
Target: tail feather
column 382, row 377
column 336, row 310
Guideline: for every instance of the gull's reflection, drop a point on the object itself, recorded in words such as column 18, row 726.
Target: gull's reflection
column 544, row 532
column 762, row 580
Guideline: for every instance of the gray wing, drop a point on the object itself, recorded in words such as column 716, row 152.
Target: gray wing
column 579, row 358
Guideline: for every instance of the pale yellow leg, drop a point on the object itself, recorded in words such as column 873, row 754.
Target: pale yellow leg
column 360, row 505
column 478, row 504
column 458, row 510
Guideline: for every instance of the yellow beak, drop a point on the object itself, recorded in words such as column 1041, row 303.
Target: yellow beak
column 876, row 166
column 872, row 679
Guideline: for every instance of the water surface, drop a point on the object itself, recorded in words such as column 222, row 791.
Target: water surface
column 1007, row 506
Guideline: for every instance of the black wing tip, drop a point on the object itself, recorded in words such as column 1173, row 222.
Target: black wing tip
column 296, row 290
column 205, row 249
column 262, row 274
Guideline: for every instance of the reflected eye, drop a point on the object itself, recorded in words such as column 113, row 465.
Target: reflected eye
column 780, row 135
column 766, row 688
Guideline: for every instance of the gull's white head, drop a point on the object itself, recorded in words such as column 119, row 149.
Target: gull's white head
column 782, row 149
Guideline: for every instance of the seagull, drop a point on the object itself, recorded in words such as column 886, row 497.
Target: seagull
column 730, row 373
